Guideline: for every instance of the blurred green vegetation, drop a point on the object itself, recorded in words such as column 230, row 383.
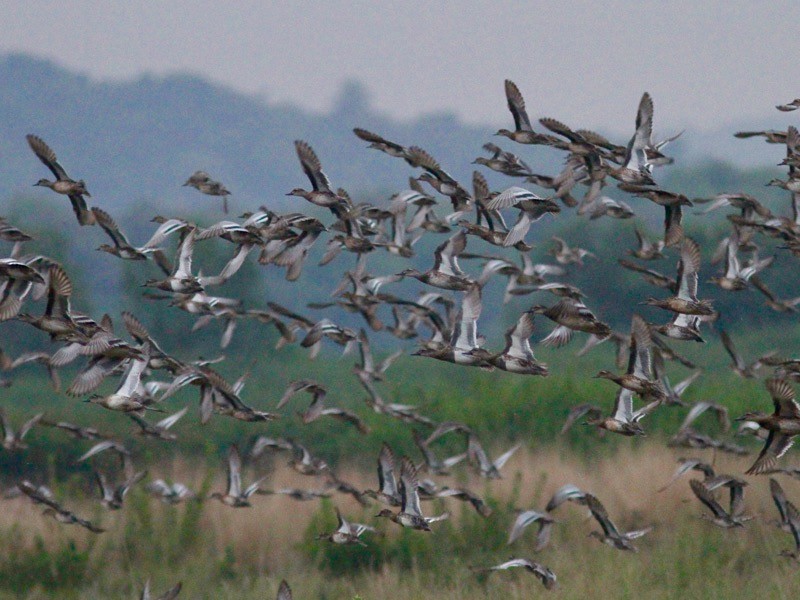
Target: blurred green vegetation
column 61, row 569
column 500, row 407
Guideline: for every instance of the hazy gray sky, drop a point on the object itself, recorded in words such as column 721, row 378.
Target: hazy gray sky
column 707, row 64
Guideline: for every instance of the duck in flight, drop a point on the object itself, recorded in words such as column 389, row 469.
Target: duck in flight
column 783, row 425
column 202, row 182
column 346, row 532
column 611, row 535
column 63, row 184
column 523, row 130
column 235, row 496
column 410, row 514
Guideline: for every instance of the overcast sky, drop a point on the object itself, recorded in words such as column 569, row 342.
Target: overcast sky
column 707, row 64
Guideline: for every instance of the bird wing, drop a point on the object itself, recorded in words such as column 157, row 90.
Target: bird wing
column 673, row 229
column 560, row 128
column 299, row 386
column 516, row 104
column 342, row 414
column 775, row 446
column 408, row 487
column 37, row 495
column 28, row 425
column 58, row 292
column 253, row 487
column 560, row 336
column 184, row 265
column 684, row 467
column 707, row 499
column 562, row 494
column 447, row 254
column 783, row 398
column 794, row 523
column 8, row 432
column 727, row 342
column 518, row 338
column 522, row 521
column 158, row 486
column 477, row 455
column 164, row 230
column 123, row 488
column 466, row 336
column 578, row 412
column 641, row 139
column 102, row 447
column 132, row 378
column 374, row 138
column 600, row 514
column 640, row 363
column 172, row 419
column 688, row 269
column 645, row 410
column 172, row 593
column 422, row 159
column 110, row 227
column 623, row 406
column 511, row 197
column 367, row 362
column 514, row 562
column 733, row 267
column 387, row 479
column 650, row 273
column 501, row 460
column 47, row 156
column 343, row 525
column 698, row 409
column 779, row 498
column 234, row 472
column 284, row 591
column 312, row 167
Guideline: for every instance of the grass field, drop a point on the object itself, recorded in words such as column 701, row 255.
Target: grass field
column 220, row 552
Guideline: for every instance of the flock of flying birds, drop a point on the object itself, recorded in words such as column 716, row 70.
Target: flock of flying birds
column 445, row 318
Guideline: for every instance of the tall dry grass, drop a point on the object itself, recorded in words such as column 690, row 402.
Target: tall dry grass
column 243, row 553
